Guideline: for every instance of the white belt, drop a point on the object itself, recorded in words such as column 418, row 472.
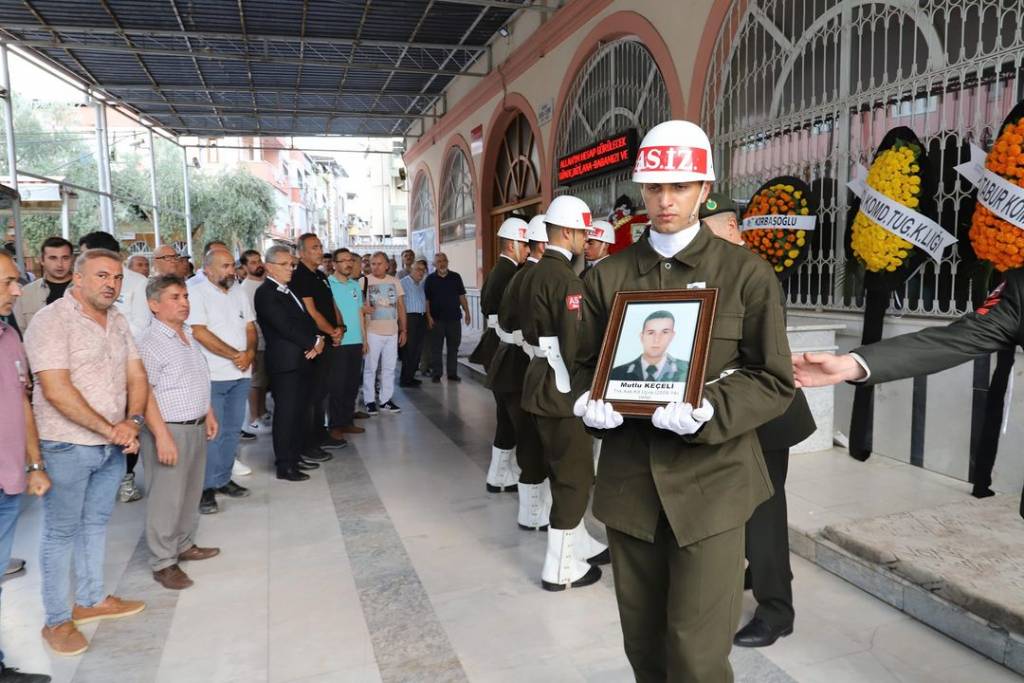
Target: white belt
column 492, row 321
column 517, row 337
column 504, row 336
column 549, row 349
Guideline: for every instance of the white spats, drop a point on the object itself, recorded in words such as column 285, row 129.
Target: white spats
column 503, row 474
column 565, row 563
column 534, row 505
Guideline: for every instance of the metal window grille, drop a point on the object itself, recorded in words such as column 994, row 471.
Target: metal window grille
column 457, row 208
column 516, row 179
column 619, row 87
column 422, row 204
column 809, row 88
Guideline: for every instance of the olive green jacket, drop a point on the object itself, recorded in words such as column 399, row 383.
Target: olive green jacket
column 508, row 366
column 552, row 292
column 998, row 325
column 711, row 481
column 490, row 300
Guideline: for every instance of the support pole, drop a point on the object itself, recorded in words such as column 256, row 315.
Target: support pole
column 103, row 164
column 188, row 207
column 12, row 158
column 152, row 189
column 65, row 214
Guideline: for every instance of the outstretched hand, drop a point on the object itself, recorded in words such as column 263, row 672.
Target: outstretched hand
column 825, row 369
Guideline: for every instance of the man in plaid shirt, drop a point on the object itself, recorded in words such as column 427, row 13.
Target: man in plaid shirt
column 179, row 422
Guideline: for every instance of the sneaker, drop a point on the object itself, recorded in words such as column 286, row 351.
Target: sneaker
column 15, row 566
column 128, row 492
column 233, row 490
column 239, row 469
column 112, row 607
column 390, row 407
column 9, row 674
column 247, row 436
column 258, row 426
column 333, row 442
column 208, row 503
column 65, row 639
column 371, row 409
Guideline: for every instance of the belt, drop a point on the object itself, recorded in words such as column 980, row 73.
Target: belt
column 534, row 351
column 506, row 337
column 492, row 321
column 197, row 421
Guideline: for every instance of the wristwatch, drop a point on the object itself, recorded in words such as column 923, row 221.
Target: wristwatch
column 137, row 419
column 35, row 467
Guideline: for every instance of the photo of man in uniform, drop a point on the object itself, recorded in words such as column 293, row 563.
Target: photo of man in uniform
column 655, row 363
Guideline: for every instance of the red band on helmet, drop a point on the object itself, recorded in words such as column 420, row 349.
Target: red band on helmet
column 586, row 219
column 596, row 232
column 671, row 158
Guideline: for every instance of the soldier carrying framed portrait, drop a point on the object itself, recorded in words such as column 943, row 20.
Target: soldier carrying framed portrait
column 655, row 350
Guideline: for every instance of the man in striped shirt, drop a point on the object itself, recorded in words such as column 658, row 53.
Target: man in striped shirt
column 179, row 422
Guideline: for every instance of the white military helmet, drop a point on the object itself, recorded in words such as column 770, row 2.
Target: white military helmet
column 674, row 152
column 568, row 212
column 513, row 229
column 536, row 230
column 602, row 231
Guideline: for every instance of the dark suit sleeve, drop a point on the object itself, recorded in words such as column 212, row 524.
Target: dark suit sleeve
column 938, row 348
column 270, row 313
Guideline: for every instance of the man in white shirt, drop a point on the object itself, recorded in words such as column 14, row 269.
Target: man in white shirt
column 224, row 324
column 212, row 245
column 260, row 423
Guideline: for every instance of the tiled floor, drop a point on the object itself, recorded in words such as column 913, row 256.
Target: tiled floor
column 393, row 564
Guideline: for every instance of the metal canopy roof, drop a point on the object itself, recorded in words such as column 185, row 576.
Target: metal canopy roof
column 266, row 67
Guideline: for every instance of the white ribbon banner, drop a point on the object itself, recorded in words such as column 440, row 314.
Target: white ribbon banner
column 900, row 220
column 995, row 193
column 778, row 221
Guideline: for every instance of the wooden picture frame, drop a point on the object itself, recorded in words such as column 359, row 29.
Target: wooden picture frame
column 652, row 324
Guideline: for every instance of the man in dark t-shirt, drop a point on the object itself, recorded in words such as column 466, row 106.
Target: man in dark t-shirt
column 58, row 261
column 446, row 295
column 310, row 284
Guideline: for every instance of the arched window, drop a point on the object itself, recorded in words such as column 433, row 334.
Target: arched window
column 618, row 88
column 516, row 177
column 810, row 93
column 458, row 211
column 423, row 228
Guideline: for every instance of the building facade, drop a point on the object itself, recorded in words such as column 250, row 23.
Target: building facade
column 806, row 88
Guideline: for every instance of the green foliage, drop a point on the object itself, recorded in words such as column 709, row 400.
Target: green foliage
column 232, row 206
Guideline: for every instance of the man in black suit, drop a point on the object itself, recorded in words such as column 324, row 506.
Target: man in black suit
column 768, row 574
column 293, row 341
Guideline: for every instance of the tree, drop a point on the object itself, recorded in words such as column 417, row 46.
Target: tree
column 235, row 207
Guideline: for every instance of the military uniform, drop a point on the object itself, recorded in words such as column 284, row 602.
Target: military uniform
column 552, row 294
column 675, row 506
column 490, row 300
column 674, row 370
column 505, row 378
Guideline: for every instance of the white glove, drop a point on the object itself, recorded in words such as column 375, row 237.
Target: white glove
column 596, row 414
column 682, row 418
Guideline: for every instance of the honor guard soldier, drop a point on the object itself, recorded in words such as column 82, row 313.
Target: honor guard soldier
column 675, row 490
column 553, row 294
column 503, row 474
column 505, row 378
column 600, row 238
column 768, row 574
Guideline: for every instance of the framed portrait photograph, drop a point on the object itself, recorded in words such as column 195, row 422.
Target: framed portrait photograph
column 655, row 350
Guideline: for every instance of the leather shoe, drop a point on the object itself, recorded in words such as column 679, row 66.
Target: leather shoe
column 758, row 633
column 173, row 578
column 454, row 378
column 317, row 455
column 982, row 492
column 332, row 442
column 360, row 415
column 233, row 490
column 195, row 553
column 292, row 475
column 306, row 465
column 352, row 429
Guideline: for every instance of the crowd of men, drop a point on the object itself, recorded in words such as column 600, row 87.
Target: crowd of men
column 127, row 359
column 108, row 359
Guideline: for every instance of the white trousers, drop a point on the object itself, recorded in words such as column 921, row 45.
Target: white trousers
column 383, row 352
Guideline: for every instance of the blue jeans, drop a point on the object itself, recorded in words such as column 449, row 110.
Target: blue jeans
column 228, row 400
column 75, row 514
column 10, row 508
